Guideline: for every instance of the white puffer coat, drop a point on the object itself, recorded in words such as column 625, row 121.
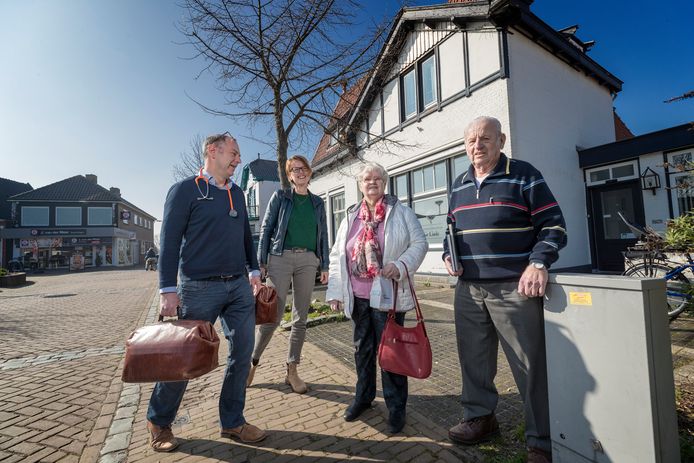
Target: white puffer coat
column 404, row 243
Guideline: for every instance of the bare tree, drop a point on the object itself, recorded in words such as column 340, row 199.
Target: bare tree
column 286, row 61
column 684, row 96
column 191, row 160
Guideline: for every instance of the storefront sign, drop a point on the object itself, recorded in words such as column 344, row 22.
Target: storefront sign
column 35, row 232
column 41, row 243
column 86, row 241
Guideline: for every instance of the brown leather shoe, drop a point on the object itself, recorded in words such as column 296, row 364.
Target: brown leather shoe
column 536, row 455
column 246, row 433
column 475, row 430
column 161, row 438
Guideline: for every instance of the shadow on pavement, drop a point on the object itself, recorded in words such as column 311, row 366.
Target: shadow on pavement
column 278, row 442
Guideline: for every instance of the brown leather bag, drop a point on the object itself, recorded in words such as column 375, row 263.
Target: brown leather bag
column 266, row 305
column 171, row 351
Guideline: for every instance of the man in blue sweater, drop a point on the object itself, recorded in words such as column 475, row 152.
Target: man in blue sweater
column 206, row 239
column 509, row 232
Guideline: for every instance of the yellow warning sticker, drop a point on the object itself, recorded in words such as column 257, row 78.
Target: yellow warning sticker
column 580, row 298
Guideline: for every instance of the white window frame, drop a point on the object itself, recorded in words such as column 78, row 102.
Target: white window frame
column 434, row 100
column 90, row 218
column 59, row 223
column 676, row 174
column 335, row 224
column 610, row 168
column 405, row 115
column 45, row 223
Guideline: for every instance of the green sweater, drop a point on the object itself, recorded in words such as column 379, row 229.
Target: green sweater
column 301, row 229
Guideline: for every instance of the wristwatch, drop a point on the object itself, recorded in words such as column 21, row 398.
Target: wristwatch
column 537, row 264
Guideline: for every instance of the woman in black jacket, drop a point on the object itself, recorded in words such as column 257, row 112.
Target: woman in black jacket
column 289, row 254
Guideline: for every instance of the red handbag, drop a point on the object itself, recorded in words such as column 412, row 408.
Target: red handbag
column 405, row 351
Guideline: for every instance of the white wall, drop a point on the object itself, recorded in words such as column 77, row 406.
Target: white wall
column 263, row 192
column 554, row 109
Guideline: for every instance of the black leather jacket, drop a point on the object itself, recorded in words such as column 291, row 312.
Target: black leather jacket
column 274, row 227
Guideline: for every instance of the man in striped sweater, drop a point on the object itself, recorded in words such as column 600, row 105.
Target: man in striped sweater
column 509, row 232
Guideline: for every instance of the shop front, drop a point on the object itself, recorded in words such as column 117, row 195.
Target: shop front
column 74, row 249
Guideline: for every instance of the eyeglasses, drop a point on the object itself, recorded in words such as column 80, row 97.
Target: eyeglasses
column 299, row 170
column 215, row 138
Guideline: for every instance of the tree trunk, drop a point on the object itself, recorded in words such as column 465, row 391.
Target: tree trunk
column 282, row 146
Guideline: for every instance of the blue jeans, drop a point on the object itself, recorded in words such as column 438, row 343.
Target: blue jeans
column 368, row 326
column 233, row 302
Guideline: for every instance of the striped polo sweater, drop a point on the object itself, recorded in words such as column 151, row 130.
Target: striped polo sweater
column 512, row 219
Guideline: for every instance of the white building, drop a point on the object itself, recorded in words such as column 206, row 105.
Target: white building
column 259, row 180
column 441, row 67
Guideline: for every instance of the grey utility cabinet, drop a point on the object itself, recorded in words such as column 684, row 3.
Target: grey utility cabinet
column 611, row 388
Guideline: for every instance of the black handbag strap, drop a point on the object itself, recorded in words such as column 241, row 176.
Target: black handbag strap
column 418, row 310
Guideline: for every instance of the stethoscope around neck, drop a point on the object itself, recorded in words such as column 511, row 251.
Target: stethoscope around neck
column 206, row 196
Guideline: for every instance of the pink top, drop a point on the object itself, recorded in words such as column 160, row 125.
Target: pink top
column 361, row 287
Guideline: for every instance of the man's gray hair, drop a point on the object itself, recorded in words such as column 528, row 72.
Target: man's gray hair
column 216, row 140
column 371, row 167
column 477, row 120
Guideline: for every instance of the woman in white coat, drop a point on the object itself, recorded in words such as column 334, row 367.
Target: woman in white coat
column 378, row 241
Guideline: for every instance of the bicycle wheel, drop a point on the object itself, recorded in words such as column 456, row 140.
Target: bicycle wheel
column 676, row 287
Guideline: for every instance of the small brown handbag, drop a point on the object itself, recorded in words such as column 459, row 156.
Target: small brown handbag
column 171, row 351
column 265, row 305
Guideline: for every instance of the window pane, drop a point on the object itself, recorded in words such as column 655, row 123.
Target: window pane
column 417, row 184
column 37, row 216
column 401, row 187
column 431, row 213
column 440, row 175
column 337, row 208
column 684, row 186
column 429, row 81
column 623, row 171
column 99, row 216
column 428, row 173
column 599, row 175
column 68, row 216
column 410, row 94
column 460, row 165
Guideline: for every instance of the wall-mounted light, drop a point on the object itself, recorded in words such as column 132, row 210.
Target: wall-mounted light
column 650, row 180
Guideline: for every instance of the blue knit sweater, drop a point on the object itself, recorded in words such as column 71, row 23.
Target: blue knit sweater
column 512, row 219
column 199, row 236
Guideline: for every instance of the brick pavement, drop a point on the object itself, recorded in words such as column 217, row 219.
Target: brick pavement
column 62, row 341
column 61, row 398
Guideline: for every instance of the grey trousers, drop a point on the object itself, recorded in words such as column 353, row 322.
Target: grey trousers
column 489, row 312
column 299, row 270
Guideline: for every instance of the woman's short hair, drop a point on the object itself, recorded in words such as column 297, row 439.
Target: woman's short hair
column 299, row 158
column 373, row 166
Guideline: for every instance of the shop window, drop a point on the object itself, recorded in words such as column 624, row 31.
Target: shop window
column 99, row 216
column 459, row 166
column 68, row 216
column 400, row 186
column 34, row 216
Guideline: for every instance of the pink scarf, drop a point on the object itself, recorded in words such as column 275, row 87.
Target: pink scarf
column 366, row 254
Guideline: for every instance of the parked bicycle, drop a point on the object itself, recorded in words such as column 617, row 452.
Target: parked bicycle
column 649, row 259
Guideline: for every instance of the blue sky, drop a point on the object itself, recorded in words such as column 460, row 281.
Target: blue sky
column 102, row 87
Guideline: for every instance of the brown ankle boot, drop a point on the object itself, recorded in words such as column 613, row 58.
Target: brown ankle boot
column 293, row 379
